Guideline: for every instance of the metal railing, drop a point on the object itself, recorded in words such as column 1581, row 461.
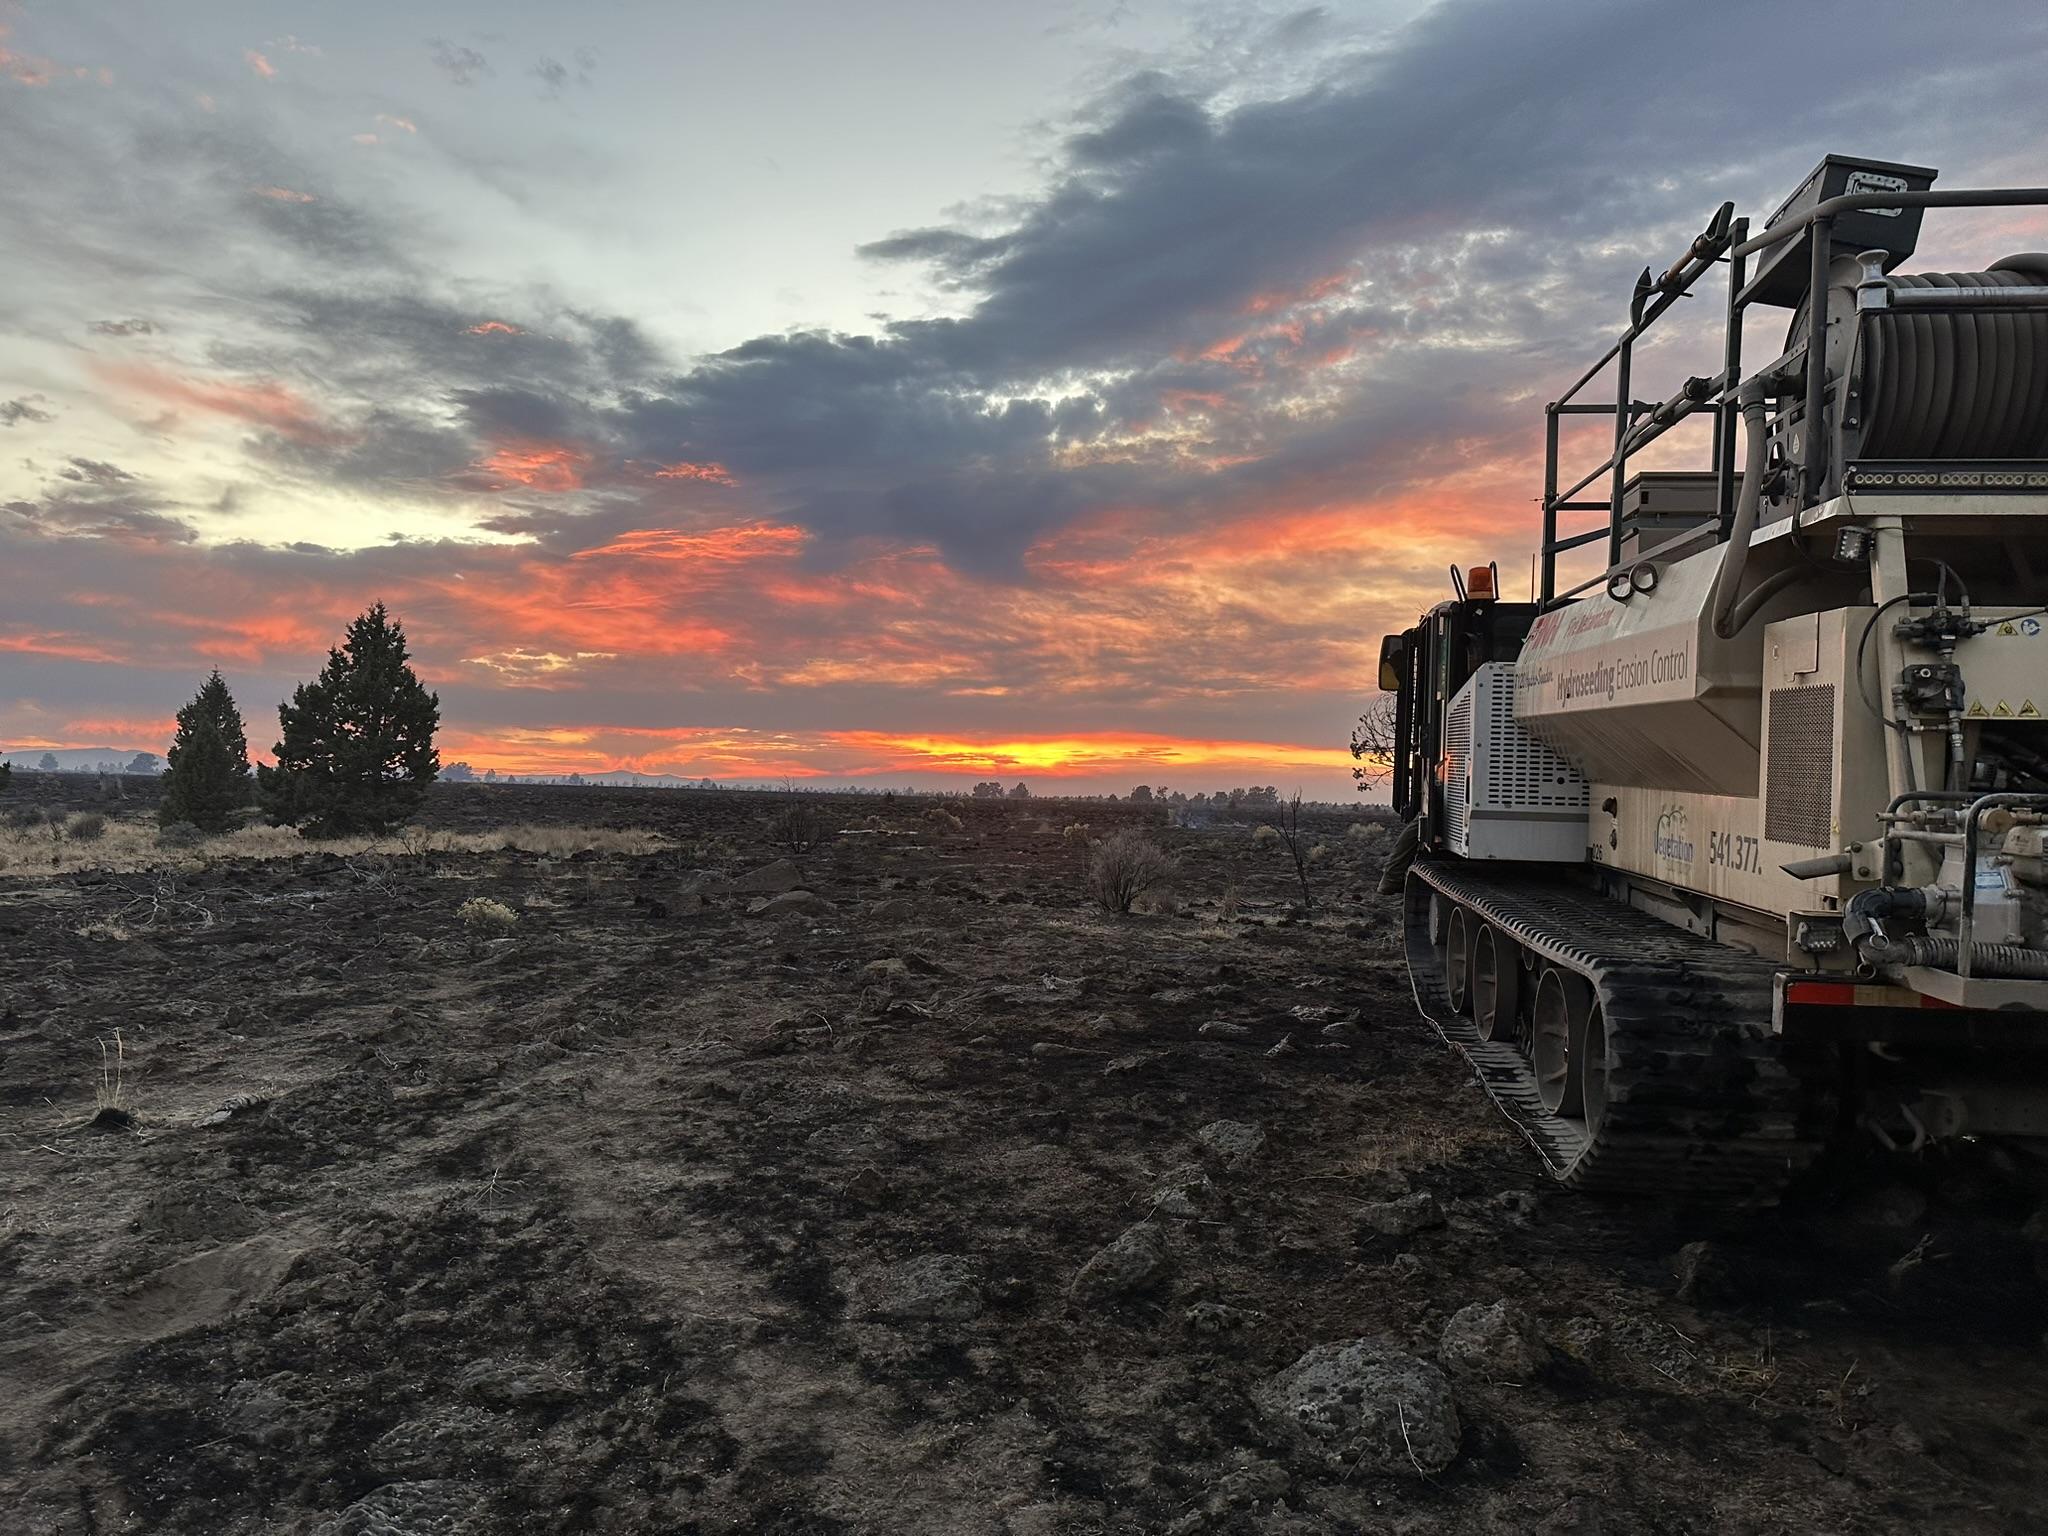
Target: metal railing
column 1727, row 238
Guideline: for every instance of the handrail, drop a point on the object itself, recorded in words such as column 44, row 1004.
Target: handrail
column 1959, row 197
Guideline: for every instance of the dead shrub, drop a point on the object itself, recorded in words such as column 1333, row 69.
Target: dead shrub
column 1264, row 836
column 939, row 816
column 87, row 827
column 1075, row 832
column 1125, row 866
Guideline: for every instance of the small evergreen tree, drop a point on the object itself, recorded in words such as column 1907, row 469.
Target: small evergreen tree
column 358, row 747
column 209, row 774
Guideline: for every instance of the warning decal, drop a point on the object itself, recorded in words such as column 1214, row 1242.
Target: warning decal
column 1979, row 712
column 2028, row 712
column 2003, row 711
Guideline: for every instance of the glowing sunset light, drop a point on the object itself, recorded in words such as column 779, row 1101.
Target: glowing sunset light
column 1113, row 457
column 715, row 474
column 538, row 466
column 267, row 404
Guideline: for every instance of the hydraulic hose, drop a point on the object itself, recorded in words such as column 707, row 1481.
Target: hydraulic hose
column 1958, row 384
column 2008, row 961
column 1725, row 598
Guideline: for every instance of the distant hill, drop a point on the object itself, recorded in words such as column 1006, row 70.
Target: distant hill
column 75, row 759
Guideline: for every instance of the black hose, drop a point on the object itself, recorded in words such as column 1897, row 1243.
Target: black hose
column 2010, row 961
column 1957, row 384
column 1735, row 553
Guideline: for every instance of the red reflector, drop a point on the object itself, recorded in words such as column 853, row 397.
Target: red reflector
column 1859, row 994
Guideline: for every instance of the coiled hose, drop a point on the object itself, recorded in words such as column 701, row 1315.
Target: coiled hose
column 1958, row 384
column 2010, row 961
column 1961, row 384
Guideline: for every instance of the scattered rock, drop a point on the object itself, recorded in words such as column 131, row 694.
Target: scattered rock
column 1223, row 1029
column 1182, row 1191
column 516, row 1384
column 934, row 1287
column 1052, row 1049
column 1495, row 1341
column 1704, row 1273
column 1364, row 1404
column 1135, row 1262
column 768, row 880
column 791, row 904
column 1577, row 1516
column 1891, row 1207
column 1404, row 1217
column 894, row 910
column 885, row 970
column 1341, row 1028
column 1284, row 1048
column 1213, row 1317
column 433, row 1508
column 1236, row 1142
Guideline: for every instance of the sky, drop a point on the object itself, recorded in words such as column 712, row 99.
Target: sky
column 899, row 393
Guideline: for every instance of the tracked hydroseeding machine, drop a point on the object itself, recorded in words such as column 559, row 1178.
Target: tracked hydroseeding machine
column 1743, row 841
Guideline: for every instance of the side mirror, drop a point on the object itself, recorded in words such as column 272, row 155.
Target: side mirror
column 1393, row 652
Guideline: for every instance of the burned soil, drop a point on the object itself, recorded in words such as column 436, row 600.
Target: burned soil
column 889, row 1186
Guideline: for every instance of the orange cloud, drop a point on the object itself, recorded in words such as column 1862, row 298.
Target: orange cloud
column 284, row 195
column 494, row 328
column 65, row 647
column 269, row 405
column 535, row 464
column 404, row 124
column 714, row 474
column 1309, row 293
column 260, row 64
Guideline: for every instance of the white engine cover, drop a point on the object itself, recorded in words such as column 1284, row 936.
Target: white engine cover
column 1506, row 794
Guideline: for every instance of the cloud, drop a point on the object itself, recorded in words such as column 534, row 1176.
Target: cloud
column 460, row 64
column 403, row 124
column 28, row 408
column 259, row 64
column 263, row 403
column 131, row 327
column 284, row 195
column 556, row 76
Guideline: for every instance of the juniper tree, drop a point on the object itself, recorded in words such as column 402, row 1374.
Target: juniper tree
column 358, row 747
column 209, row 773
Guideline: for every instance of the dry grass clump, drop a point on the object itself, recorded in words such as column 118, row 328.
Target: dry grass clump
column 1126, row 866
column 1264, row 836
column 1075, row 832
column 126, row 845
column 939, row 816
column 1366, row 831
column 486, row 918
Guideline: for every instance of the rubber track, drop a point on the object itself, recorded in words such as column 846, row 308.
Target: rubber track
column 1699, row 1100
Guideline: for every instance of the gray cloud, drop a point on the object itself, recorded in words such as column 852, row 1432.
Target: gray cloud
column 132, row 327
column 28, row 408
column 460, row 64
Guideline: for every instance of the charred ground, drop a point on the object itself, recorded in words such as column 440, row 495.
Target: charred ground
column 653, row 1213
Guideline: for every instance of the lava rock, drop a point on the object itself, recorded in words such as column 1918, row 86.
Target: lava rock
column 768, row 880
column 1364, row 1404
column 1135, row 1262
column 791, row 904
column 1495, row 1341
column 1182, row 1191
column 935, row 1287
column 1236, row 1142
column 1223, row 1029
column 435, row 1507
column 1404, row 1217
column 516, row 1384
column 895, row 910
